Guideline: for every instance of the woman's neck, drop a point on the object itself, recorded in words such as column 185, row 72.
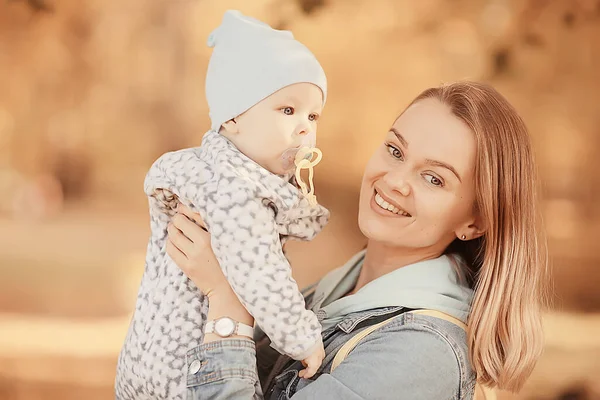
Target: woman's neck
column 381, row 259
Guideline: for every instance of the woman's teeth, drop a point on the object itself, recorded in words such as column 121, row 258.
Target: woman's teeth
column 387, row 206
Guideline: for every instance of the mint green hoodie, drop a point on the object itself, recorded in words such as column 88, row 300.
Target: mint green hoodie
column 431, row 284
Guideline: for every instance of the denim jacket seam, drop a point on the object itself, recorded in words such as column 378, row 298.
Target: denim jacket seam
column 465, row 379
column 223, row 344
column 223, row 374
column 357, row 320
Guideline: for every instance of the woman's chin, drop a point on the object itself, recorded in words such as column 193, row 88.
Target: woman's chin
column 375, row 230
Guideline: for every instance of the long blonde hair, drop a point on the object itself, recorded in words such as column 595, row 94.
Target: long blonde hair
column 509, row 262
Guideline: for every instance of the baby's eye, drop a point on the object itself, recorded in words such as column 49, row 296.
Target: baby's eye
column 313, row 117
column 288, row 110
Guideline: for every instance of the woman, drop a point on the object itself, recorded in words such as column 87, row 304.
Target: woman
column 448, row 205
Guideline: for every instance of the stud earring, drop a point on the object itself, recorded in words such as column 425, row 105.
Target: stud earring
column 463, row 237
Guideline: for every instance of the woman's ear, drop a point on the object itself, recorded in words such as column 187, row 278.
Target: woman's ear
column 472, row 230
column 230, row 127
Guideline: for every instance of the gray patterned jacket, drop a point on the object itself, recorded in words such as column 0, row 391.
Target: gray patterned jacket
column 249, row 212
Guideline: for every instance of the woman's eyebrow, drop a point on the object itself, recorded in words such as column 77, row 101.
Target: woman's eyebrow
column 430, row 162
column 403, row 141
column 444, row 165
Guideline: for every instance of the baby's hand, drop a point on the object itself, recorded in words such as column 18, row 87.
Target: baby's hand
column 313, row 362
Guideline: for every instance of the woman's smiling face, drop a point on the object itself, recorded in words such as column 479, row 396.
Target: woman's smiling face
column 418, row 189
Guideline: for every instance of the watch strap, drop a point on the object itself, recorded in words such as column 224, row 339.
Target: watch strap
column 240, row 329
column 244, row 330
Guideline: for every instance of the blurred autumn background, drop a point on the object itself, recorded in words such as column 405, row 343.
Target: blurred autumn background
column 92, row 91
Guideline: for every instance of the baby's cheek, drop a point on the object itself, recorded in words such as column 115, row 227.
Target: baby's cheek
column 275, row 146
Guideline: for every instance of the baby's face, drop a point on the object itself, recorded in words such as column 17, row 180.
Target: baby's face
column 278, row 123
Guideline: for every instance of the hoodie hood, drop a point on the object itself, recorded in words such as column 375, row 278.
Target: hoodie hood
column 431, row 284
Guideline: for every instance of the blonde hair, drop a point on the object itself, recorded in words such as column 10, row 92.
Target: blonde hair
column 509, row 262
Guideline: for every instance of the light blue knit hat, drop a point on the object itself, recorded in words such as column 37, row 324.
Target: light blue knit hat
column 250, row 61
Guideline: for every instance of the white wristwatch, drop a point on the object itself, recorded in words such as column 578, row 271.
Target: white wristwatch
column 225, row 327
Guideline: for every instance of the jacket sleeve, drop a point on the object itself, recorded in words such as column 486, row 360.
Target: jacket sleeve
column 227, row 371
column 410, row 363
column 246, row 242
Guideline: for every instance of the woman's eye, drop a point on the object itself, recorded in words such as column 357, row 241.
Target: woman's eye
column 313, row 117
column 288, row 110
column 394, row 151
column 435, row 181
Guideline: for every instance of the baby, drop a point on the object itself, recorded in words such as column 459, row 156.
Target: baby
column 265, row 91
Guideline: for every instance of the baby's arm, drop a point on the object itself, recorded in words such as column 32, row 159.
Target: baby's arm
column 245, row 240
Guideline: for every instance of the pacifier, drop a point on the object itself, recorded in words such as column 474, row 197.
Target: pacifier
column 307, row 158
column 303, row 156
column 288, row 158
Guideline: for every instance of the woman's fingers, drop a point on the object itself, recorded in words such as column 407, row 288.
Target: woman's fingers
column 176, row 254
column 183, row 209
column 192, row 231
column 180, row 240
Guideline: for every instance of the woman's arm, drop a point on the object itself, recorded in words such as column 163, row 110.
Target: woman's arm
column 227, row 365
column 192, row 249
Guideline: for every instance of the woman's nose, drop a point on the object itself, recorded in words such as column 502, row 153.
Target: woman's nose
column 404, row 189
column 398, row 182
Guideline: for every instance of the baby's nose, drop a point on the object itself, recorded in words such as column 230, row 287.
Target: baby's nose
column 309, row 139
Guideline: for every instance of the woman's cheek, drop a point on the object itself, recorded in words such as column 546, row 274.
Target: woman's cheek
column 449, row 211
column 429, row 205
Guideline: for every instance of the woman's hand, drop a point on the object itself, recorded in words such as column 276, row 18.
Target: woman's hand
column 189, row 246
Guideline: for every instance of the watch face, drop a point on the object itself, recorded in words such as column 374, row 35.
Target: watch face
column 224, row 327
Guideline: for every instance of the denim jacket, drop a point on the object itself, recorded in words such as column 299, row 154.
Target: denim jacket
column 413, row 357
column 416, row 357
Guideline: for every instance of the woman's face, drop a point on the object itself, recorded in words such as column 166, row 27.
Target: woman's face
column 418, row 188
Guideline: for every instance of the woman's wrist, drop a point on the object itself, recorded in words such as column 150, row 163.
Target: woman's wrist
column 225, row 303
